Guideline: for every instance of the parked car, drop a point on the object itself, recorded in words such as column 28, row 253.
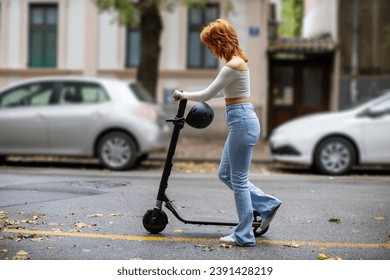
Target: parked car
column 112, row 120
column 334, row 142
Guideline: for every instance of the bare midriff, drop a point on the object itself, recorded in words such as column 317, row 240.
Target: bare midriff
column 232, row 101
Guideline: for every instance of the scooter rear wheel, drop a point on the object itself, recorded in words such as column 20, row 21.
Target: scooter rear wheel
column 156, row 226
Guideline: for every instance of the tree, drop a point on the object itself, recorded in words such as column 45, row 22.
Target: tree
column 292, row 14
column 146, row 13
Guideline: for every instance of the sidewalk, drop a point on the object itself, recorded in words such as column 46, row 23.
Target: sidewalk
column 209, row 150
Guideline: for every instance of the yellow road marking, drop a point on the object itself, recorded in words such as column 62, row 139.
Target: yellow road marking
column 192, row 240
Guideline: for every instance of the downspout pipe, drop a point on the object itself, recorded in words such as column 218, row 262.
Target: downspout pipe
column 354, row 52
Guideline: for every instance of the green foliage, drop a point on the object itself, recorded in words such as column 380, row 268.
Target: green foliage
column 126, row 10
column 292, row 17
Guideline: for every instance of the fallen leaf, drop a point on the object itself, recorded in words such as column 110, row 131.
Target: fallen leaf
column 292, row 245
column 21, row 255
column 55, row 224
column 3, row 250
column 38, row 216
column 94, row 215
column 379, row 218
column 204, row 247
column 226, row 246
column 37, row 239
column 334, row 220
column 80, row 225
column 33, row 222
column 323, row 256
column 178, row 230
column 114, row 214
column 207, row 249
column 22, row 252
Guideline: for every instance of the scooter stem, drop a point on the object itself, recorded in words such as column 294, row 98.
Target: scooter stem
column 178, row 123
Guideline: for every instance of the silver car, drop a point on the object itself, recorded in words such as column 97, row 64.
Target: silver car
column 112, row 120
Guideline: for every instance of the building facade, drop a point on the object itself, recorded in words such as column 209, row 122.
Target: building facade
column 341, row 59
column 72, row 37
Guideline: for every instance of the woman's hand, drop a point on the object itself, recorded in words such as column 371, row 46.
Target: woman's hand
column 177, row 95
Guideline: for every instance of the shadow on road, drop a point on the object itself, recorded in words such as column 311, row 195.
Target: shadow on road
column 69, row 163
column 157, row 164
column 357, row 171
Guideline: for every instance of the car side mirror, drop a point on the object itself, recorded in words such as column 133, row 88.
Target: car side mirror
column 375, row 112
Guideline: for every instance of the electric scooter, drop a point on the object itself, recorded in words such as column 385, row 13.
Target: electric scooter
column 155, row 220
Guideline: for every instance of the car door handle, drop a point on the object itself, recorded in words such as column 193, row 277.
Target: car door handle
column 40, row 117
column 97, row 115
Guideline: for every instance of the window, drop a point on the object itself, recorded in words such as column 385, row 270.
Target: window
column 35, row 94
column 81, row 93
column 141, row 93
column 382, row 108
column 198, row 56
column 312, row 86
column 283, row 86
column 133, row 42
column 43, row 22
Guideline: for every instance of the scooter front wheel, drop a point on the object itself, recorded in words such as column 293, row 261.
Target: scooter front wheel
column 157, row 225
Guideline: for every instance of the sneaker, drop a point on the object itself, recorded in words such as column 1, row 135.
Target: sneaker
column 266, row 221
column 228, row 240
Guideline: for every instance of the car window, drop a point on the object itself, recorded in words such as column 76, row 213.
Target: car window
column 34, row 94
column 383, row 106
column 81, row 93
column 141, row 93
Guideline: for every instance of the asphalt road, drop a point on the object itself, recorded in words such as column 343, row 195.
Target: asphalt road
column 67, row 213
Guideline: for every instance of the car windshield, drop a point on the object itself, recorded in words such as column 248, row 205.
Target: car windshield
column 365, row 100
column 141, row 93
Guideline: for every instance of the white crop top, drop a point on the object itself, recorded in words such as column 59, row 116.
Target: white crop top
column 229, row 83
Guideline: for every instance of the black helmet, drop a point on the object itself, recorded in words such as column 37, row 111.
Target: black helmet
column 200, row 116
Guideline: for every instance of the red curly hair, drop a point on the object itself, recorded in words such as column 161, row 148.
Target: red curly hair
column 220, row 35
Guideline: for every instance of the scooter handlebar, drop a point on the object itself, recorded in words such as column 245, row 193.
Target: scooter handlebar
column 182, row 108
column 179, row 117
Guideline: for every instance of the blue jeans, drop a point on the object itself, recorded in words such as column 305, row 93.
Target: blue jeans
column 244, row 132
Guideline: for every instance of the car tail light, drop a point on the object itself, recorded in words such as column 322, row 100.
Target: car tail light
column 146, row 111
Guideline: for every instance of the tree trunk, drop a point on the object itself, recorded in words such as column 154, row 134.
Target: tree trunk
column 150, row 28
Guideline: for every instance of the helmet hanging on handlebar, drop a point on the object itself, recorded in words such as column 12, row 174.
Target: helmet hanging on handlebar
column 200, row 116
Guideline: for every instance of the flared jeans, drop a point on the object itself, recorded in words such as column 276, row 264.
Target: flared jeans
column 244, row 132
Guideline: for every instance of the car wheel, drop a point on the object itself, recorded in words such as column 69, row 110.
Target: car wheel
column 117, row 151
column 335, row 156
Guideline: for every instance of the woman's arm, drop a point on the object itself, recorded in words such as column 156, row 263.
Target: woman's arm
column 224, row 77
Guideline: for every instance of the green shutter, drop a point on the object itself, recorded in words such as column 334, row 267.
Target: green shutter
column 42, row 36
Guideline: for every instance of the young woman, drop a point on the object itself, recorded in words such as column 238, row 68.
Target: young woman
column 232, row 83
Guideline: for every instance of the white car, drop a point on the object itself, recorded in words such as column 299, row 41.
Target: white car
column 110, row 119
column 334, row 142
